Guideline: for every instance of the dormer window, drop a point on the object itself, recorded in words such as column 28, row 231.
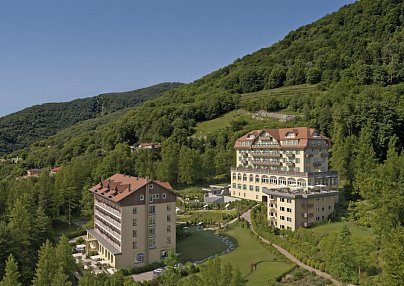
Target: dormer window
column 290, row 135
column 315, row 134
column 250, row 136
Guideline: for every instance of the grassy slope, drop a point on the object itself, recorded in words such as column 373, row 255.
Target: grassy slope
column 210, row 126
column 250, row 251
column 336, row 227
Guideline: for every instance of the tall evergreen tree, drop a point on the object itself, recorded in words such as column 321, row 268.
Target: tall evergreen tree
column 11, row 276
column 46, row 265
column 64, row 259
column 60, row 278
column 20, row 222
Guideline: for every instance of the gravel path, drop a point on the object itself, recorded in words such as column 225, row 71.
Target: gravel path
column 247, row 217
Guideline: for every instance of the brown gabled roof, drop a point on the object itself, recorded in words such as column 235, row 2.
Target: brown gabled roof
column 119, row 186
column 303, row 134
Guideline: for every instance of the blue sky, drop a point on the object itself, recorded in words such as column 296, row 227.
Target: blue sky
column 52, row 51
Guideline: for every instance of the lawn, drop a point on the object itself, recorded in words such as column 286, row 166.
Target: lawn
column 199, row 245
column 337, row 227
column 250, row 251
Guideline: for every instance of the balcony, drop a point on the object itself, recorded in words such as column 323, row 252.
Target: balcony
column 317, row 164
column 308, row 215
column 307, row 206
column 290, row 155
column 269, row 155
column 325, row 154
column 244, row 162
column 307, row 224
column 244, row 154
column 308, row 155
column 290, row 164
column 266, row 163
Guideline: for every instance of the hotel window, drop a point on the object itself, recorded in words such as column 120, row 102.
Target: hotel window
column 257, row 188
column 288, row 227
column 168, row 218
column 234, row 176
column 289, row 201
column 244, row 177
column 273, row 180
column 257, row 179
column 141, row 197
column 251, row 178
column 168, row 228
column 234, row 185
column 251, row 188
column 239, row 186
column 134, row 222
column 289, row 219
column 289, row 210
column 244, row 187
column 134, row 244
column 152, row 243
column 244, row 194
column 282, row 200
column 135, row 210
column 256, row 197
column 168, row 239
column 152, row 209
column 152, row 220
column 152, row 231
column 134, row 233
column 282, row 209
column 239, row 176
column 282, row 217
column 282, row 226
column 163, row 254
column 164, row 195
column 264, row 179
column 168, row 208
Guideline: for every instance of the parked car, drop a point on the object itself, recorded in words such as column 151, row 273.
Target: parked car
column 158, row 271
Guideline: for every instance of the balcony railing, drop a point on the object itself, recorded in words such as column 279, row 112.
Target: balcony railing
column 309, row 155
column 268, row 163
column 317, row 164
column 290, row 164
column 269, row 155
column 307, row 224
column 308, row 215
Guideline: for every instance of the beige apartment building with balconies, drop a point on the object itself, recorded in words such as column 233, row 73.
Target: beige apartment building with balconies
column 282, row 158
column 134, row 221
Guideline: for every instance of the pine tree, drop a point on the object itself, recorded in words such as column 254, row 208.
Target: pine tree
column 20, row 222
column 11, row 276
column 41, row 230
column 60, row 278
column 64, row 259
column 46, row 265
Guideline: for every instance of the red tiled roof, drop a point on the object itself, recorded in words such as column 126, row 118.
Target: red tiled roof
column 56, row 169
column 119, row 186
column 303, row 134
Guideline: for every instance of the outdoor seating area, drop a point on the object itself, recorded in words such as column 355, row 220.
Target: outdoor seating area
column 95, row 263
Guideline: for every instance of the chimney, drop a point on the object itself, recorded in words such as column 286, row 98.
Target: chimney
column 129, row 188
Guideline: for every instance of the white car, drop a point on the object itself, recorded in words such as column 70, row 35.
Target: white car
column 158, row 271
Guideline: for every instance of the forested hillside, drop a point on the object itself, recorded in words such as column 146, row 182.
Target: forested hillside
column 354, row 56
column 22, row 128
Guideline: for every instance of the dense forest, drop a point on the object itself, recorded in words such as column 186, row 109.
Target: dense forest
column 355, row 56
column 20, row 129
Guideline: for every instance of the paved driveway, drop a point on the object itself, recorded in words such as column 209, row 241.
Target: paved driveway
column 145, row 276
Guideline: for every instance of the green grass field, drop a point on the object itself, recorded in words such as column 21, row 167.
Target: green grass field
column 250, row 251
column 200, row 245
column 223, row 121
column 334, row 227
